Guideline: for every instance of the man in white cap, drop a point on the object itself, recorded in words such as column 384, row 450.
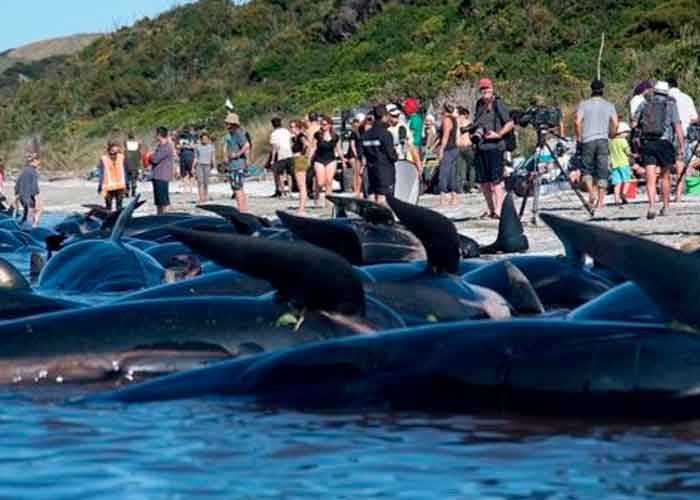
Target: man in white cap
column 236, row 151
column 688, row 115
column 403, row 137
column 659, row 122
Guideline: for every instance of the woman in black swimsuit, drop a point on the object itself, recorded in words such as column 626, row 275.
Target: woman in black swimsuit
column 353, row 155
column 325, row 149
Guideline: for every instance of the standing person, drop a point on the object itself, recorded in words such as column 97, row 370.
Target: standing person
column 379, row 157
column 325, row 148
column 415, row 124
column 133, row 162
column 112, row 176
column 403, row 138
column 353, row 154
column 688, row 114
column 638, row 96
column 280, row 160
column 596, row 121
column 300, row 162
column 492, row 116
column 185, row 146
column 620, row 159
column 27, row 190
column 204, row 161
column 236, row 149
column 161, row 162
column 659, row 122
column 448, row 156
column 465, row 161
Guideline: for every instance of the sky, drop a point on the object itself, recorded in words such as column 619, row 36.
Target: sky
column 34, row 20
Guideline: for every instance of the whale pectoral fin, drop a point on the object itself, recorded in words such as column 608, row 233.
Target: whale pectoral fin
column 667, row 275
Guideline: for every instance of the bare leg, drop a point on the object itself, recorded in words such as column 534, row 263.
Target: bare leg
column 666, row 187
column 499, row 193
column 602, row 191
column 330, row 174
column 588, row 182
column 651, row 186
column 486, row 189
column 320, row 171
column 241, row 200
column 680, row 164
column 617, row 190
column 301, row 184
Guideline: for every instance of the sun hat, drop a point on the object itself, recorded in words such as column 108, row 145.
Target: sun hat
column 232, row 119
column 393, row 110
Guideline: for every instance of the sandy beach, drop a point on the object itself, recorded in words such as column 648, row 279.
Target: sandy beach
column 66, row 195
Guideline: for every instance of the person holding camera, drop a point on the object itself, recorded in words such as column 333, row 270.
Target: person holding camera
column 596, row 122
column 492, row 122
column 658, row 120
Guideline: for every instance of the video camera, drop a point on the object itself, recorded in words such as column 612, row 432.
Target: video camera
column 540, row 117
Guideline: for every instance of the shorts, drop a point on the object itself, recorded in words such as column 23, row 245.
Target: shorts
column 620, row 175
column 300, row 164
column 658, row 152
column 186, row 163
column 161, row 196
column 489, row 166
column 283, row 166
column 203, row 174
column 381, row 180
column 236, row 172
column 596, row 157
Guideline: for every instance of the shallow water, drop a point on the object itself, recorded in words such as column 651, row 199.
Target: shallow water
column 220, row 448
column 223, row 448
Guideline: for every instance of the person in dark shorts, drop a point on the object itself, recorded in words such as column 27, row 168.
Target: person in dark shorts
column 659, row 122
column 492, row 117
column 236, row 150
column 280, row 159
column 161, row 162
column 27, row 190
column 186, row 142
column 132, row 149
column 379, row 156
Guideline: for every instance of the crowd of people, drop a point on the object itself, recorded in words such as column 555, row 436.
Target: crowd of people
column 458, row 151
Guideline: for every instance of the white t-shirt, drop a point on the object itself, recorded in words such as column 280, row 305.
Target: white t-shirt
column 635, row 102
column 686, row 107
column 401, row 147
column 132, row 145
column 281, row 139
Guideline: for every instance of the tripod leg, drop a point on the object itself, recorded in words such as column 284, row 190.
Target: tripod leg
column 522, row 206
column 588, row 208
column 536, row 199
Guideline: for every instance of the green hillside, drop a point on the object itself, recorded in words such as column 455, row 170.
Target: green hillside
column 287, row 56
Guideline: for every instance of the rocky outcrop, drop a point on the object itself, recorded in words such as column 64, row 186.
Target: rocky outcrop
column 349, row 16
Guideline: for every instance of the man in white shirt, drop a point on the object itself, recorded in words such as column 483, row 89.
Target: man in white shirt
column 688, row 114
column 281, row 158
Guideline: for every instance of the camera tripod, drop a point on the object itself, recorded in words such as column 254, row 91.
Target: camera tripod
column 534, row 182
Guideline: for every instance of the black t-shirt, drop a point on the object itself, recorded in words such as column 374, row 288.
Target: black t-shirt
column 299, row 143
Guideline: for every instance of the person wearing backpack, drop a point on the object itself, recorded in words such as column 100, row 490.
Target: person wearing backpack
column 492, row 118
column 596, row 122
column 658, row 121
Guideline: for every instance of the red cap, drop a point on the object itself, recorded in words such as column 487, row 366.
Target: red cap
column 410, row 107
column 485, row 83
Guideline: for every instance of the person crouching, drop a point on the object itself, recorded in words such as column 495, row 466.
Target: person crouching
column 112, row 177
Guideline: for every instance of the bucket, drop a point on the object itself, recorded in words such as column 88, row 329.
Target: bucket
column 692, row 185
column 631, row 189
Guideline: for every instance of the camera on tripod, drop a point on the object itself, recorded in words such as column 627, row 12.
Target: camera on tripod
column 540, row 117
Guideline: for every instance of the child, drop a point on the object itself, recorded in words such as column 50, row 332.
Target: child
column 620, row 157
column 27, row 190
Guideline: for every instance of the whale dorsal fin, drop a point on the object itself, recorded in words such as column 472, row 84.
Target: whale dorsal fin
column 243, row 222
column 667, row 275
column 437, row 233
column 309, row 276
column 339, row 238
column 511, row 236
column 11, row 278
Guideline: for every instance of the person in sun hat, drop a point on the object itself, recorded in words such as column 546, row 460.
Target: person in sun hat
column 236, row 151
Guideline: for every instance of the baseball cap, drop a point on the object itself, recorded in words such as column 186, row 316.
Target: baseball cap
column 410, row 106
column 485, row 83
column 393, row 109
column 661, row 87
column 232, row 119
